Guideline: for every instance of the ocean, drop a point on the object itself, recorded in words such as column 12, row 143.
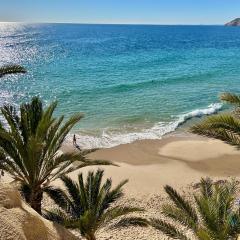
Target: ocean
column 131, row 81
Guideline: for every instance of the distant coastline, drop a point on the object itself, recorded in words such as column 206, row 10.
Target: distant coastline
column 234, row 23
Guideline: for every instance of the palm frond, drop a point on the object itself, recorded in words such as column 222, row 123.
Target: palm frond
column 231, row 98
column 30, row 142
column 131, row 221
column 168, row 229
column 85, row 152
column 11, row 69
column 224, row 127
column 181, row 203
column 179, row 215
column 203, row 234
column 89, row 204
column 206, row 187
column 72, row 189
column 217, row 211
column 87, row 162
column 117, row 212
column 60, row 217
column 57, row 195
column 213, row 216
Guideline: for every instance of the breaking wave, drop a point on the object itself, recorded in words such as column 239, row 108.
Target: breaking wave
column 109, row 139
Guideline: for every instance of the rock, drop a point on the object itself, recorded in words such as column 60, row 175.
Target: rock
column 235, row 22
column 18, row 221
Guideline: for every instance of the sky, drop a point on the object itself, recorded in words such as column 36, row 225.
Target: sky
column 120, row 11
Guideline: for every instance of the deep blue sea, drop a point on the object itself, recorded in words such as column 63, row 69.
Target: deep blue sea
column 131, row 81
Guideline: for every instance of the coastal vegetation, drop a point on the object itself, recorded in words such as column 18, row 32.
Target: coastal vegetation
column 30, row 142
column 90, row 205
column 11, row 69
column 226, row 126
column 31, row 138
column 214, row 214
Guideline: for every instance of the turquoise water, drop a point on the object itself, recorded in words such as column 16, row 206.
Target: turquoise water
column 131, row 81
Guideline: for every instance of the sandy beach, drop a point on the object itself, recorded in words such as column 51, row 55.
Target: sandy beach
column 179, row 161
column 174, row 160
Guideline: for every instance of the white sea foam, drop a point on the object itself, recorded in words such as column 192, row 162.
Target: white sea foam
column 109, row 139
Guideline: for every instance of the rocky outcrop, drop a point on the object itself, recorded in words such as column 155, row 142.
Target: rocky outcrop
column 235, row 22
column 18, row 221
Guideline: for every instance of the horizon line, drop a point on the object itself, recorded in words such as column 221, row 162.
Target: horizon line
column 105, row 23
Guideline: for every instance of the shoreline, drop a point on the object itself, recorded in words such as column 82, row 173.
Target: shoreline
column 178, row 160
column 155, row 131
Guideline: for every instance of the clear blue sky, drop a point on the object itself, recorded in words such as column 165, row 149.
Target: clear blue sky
column 121, row 11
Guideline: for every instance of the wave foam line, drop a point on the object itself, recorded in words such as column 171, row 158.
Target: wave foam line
column 108, row 139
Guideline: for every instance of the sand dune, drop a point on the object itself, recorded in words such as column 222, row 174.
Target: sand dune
column 18, row 221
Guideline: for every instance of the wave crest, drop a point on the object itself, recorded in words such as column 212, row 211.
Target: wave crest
column 109, row 139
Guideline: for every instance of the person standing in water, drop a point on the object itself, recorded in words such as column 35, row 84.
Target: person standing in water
column 74, row 140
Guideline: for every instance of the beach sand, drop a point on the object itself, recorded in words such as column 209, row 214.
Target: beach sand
column 174, row 160
column 179, row 161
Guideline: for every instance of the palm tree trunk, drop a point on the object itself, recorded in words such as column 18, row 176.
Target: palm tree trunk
column 91, row 237
column 35, row 200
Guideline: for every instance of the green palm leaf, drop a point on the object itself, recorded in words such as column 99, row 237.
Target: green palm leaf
column 87, row 205
column 169, row 229
column 131, row 221
column 179, row 215
column 11, row 69
column 213, row 216
column 182, row 204
column 30, row 142
column 231, row 98
column 225, row 127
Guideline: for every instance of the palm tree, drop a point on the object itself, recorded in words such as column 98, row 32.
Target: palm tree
column 87, row 205
column 11, row 69
column 29, row 145
column 213, row 216
column 225, row 127
column 2, row 157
